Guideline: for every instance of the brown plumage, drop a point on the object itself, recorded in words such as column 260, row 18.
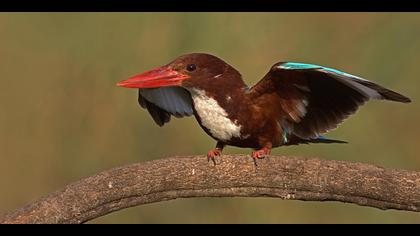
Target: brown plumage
column 294, row 102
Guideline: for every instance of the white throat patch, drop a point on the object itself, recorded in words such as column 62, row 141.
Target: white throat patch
column 214, row 117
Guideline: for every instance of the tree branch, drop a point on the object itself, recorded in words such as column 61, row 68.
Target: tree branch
column 235, row 175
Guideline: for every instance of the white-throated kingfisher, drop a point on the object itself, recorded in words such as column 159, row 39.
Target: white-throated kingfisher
column 293, row 103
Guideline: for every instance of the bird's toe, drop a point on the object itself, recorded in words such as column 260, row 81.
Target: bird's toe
column 212, row 154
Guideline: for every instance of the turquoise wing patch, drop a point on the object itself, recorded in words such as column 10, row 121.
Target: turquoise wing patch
column 303, row 66
column 298, row 66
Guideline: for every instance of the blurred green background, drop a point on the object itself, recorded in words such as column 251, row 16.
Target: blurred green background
column 62, row 117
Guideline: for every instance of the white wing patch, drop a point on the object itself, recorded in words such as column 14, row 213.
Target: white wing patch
column 214, row 117
column 370, row 93
column 301, row 106
column 217, row 76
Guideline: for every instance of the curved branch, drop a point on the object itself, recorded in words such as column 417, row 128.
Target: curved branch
column 235, row 175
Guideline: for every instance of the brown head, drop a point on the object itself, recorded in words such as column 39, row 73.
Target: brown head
column 191, row 71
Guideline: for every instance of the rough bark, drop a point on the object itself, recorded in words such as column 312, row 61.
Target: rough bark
column 234, row 175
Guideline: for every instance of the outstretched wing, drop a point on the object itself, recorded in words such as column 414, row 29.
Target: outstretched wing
column 317, row 99
column 164, row 102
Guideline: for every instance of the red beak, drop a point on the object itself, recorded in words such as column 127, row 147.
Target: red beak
column 159, row 77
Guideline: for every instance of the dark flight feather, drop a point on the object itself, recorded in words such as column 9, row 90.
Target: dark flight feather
column 159, row 115
column 330, row 96
column 163, row 102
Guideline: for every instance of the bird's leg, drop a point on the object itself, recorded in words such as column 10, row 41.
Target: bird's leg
column 215, row 152
column 260, row 154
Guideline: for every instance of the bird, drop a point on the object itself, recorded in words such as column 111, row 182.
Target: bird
column 294, row 103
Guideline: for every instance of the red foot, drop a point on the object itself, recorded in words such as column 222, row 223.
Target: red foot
column 260, row 154
column 212, row 154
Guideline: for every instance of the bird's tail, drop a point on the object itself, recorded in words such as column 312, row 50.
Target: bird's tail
column 322, row 139
column 294, row 140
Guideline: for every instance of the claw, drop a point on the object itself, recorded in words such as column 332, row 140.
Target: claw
column 260, row 154
column 212, row 154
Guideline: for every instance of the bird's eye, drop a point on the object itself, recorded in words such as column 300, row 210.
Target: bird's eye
column 191, row 67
